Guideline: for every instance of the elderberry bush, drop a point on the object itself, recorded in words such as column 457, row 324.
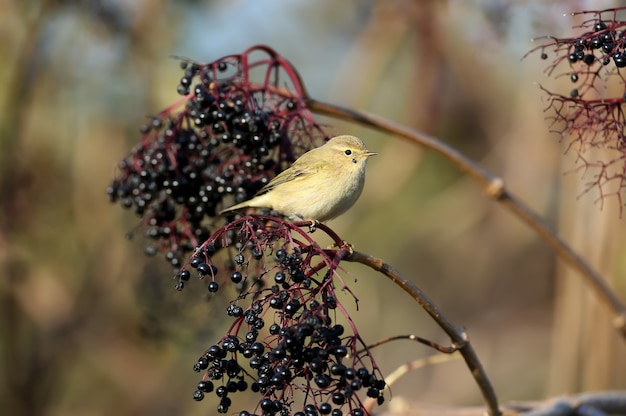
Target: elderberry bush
column 291, row 342
column 286, row 335
column 599, row 51
column 226, row 137
column 589, row 115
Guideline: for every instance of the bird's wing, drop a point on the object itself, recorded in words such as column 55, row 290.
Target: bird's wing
column 300, row 169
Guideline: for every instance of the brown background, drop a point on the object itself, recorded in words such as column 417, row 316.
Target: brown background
column 90, row 326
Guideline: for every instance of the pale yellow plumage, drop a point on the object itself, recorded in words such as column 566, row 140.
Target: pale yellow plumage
column 322, row 184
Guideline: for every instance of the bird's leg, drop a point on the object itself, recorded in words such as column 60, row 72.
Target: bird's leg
column 313, row 226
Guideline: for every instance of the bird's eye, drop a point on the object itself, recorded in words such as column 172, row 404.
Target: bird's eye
column 348, row 152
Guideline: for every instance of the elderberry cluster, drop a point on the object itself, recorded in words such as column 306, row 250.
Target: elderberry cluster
column 311, row 350
column 285, row 336
column 603, row 42
column 225, row 140
column 606, row 44
column 590, row 115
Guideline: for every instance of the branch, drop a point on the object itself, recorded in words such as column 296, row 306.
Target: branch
column 599, row 403
column 495, row 189
column 602, row 403
column 446, row 350
column 457, row 335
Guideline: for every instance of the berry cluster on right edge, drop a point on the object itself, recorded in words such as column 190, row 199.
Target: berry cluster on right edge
column 291, row 340
column 591, row 114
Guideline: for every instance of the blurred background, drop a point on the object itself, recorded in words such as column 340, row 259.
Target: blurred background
column 91, row 326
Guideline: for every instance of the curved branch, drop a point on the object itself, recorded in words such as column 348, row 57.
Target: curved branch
column 495, row 189
column 597, row 404
column 446, row 350
column 457, row 335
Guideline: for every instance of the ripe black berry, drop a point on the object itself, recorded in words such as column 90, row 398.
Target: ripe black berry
column 325, row 408
column 196, row 260
column 338, row 369
column 205, row 386
column 267, row 405
column 213, row 286
column 276, row 303
column 198, row 395
column 231, row 386
column 280, row 278
column 580, row 55
column 362, row 373
column 372, row 392
column 356, row 385
column 224, row 405
column 242, row 385
column 203, row 268
column 340, row 352
column 338, row 398
column 274, row 328
column 236, row 277
column 201, row 364
column 281, row 255
column 257, row 348
column 257, row 253
column 322, row 381
column 252, row 335
column 184, row 275
column 221, row 391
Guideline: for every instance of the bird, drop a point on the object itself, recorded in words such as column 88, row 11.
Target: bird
column 320, row 185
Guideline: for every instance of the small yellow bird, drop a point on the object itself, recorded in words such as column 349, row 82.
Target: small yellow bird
column 322, row 184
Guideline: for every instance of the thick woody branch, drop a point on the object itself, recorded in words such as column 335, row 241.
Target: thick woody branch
column 601, row 403
column 457, row 335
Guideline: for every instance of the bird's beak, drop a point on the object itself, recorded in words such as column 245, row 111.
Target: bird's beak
column 368, row 154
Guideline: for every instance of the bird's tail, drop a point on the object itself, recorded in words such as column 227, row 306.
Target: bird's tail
column 234, row 208
column 260, row 201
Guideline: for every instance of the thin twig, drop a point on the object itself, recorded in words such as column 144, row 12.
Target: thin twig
column 406, row 368
column 446, row 350
column 495, row 189
column 457, row 335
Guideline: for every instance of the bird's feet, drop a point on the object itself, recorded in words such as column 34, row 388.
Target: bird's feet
column 313, row 226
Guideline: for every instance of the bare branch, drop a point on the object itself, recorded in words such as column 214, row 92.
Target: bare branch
column 457, row 335
column 494, row 187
